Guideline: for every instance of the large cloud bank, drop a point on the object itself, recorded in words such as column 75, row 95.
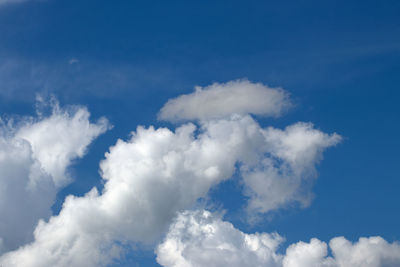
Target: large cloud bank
column 159, row 173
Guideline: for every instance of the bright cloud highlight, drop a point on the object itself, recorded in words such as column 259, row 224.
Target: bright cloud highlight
column 34, row 157
column 153, row 179
column 200, row 238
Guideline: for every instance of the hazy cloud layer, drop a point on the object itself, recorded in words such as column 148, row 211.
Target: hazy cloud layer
column 221, row 100
column 22, row 79
column 200, row 238
column 34, row 156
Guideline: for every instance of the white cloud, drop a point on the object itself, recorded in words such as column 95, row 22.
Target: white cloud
column 159, row 172
column 34, row 156
column 221, row 100
column 367, row 252
column 286, row 174
column 199, row 238
column 147, row 180
column 60, row 138
column 313, row 254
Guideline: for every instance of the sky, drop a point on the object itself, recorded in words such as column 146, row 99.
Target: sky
column 199, row 133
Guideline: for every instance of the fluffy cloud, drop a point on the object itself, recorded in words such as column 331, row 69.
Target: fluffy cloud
column 60, row 138
column 286, row 174
column 159, row 172
column 34, row 156
column 147, row 180
column 367, row 252
column 313, row 254
column 200, row 238
column 223, row 99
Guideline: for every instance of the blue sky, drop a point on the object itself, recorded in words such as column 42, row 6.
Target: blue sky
column 338, row 60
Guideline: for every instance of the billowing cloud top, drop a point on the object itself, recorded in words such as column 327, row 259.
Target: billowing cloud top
column 200, row 238
column 153, row 180
column 35, row 154
column 221, row 100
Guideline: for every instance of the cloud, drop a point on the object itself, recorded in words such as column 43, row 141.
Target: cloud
column 312, row 254
column 286, row 174
column 366, row 252
column 147, row 180
column 157, row 173
column 21, row 79
column 60, row 138
column 221, row 100
column 200, row 238
column 34, row 156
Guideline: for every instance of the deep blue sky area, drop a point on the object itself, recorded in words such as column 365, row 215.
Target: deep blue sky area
column 340, row 61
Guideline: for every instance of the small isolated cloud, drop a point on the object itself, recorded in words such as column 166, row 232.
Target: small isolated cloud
column 200, row 238
column 221, row 100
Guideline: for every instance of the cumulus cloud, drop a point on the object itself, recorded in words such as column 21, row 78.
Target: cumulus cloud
column 366, row 252
column 312, row 254
column 286, row 174
column 147, row 180
column 221, row 100
column 34, row 156
column 159, row 172
column 60, row 138
column 200, row 238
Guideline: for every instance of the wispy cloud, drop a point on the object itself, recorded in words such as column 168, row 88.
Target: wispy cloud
column 72, row 78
